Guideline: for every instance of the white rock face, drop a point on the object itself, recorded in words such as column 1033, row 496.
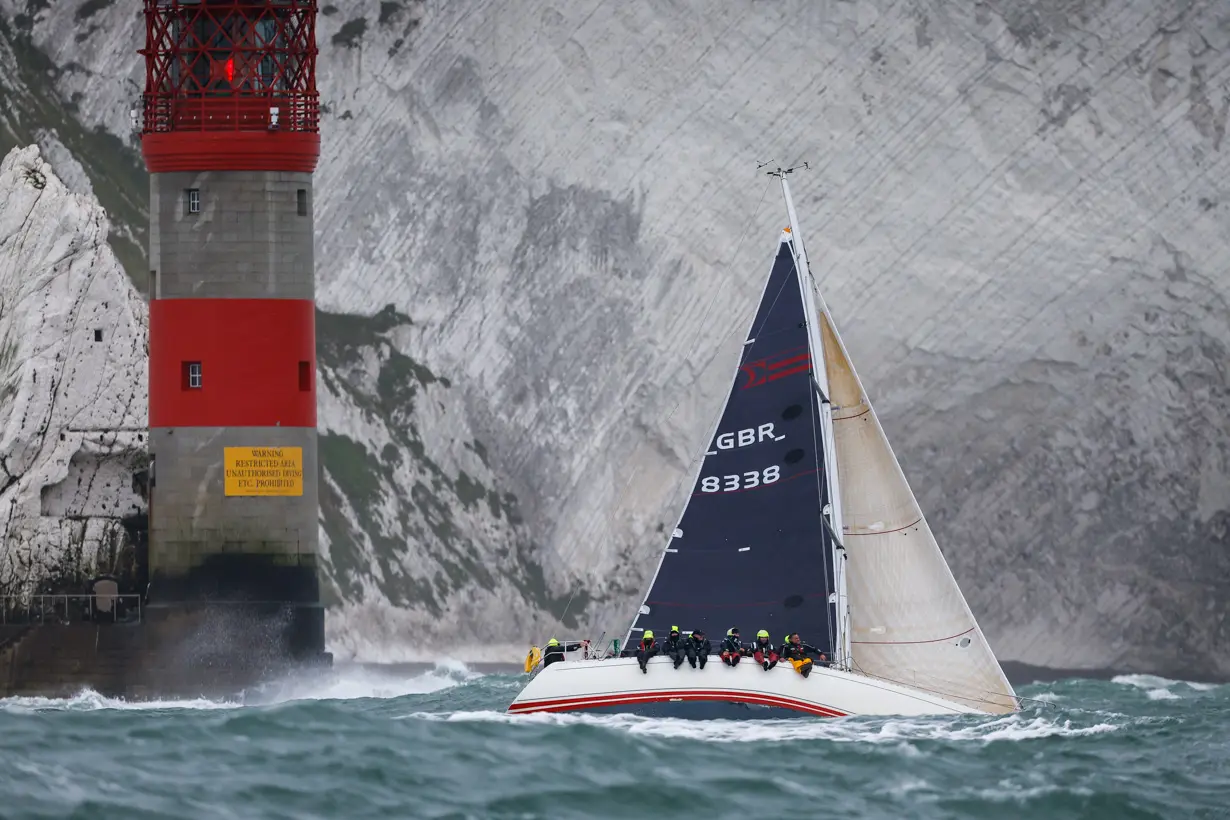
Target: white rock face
column 415, row 538
column 73, row 408
column 1020, row 212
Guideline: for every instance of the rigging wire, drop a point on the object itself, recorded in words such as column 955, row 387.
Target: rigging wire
column 693, row 348
column 809, row 289
column 821, row 478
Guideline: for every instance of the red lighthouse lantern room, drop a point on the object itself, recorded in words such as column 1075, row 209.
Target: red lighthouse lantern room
column 231, row 84
column 230, row 135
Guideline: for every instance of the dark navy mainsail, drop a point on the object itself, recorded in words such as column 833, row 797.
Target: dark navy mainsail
column 751, row 549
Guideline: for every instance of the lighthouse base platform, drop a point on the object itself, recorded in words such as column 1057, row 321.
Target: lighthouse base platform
column 185, row 650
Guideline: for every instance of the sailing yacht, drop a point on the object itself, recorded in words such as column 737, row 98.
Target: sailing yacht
column 800, row 520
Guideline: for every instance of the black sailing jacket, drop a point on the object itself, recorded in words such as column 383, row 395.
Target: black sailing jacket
column 556, row 652
column 700, row 647
column 797, row 653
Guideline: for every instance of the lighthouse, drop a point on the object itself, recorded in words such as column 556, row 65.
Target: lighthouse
column 230, row 136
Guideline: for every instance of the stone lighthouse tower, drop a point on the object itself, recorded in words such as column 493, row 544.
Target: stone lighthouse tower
column 230, row 135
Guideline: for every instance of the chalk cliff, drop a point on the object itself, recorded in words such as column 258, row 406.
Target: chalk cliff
column 73, row 350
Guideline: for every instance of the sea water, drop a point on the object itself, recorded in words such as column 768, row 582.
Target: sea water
column 381, row 744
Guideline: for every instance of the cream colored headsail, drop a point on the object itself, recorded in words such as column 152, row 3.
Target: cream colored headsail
column 909, row 621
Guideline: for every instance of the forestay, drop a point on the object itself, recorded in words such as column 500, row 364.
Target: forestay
column 750, row 549
column 910, row 622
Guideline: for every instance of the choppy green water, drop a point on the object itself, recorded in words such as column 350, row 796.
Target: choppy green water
column 437, row 745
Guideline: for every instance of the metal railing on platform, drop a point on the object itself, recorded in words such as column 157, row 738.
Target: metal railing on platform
column 232, row 113
column 68, row 609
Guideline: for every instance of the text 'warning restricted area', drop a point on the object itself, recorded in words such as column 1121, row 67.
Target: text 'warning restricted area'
column 264, row 470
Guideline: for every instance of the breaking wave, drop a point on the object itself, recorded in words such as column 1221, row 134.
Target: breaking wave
column 88, row 700
column 353, row 682
column 845, row 730
column 1158, row 688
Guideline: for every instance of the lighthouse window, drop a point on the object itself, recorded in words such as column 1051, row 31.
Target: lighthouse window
column 305, row 376
column 194, row 200
column 192, row 376
column 302, row 195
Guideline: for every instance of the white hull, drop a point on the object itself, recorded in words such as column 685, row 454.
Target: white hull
column 617, row 684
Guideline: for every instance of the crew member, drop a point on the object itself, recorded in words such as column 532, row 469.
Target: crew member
column 646, row 650
column 555, row 650
column 763, row 650
column 698, row 648
column 673, row 647
column 732, row 647
column 796, row 652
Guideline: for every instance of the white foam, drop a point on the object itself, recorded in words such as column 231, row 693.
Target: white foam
column 87, row 700
column 357, row 682
column 1161, row 694
column 1157, row 688
column 847, row 730
column 1006, row 791
column 908, row 786
column 908, row 750
column 1144, row 681
column 346, row 683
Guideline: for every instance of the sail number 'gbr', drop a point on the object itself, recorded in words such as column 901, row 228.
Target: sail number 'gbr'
column 746, row 437
column 745, row 481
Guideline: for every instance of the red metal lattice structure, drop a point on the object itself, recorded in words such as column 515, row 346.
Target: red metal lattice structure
column 230, row 85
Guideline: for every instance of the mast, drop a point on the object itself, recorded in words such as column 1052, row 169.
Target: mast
column 832, row 511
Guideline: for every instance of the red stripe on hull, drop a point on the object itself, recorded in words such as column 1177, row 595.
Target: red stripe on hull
column 249, row 351
column 596, row 701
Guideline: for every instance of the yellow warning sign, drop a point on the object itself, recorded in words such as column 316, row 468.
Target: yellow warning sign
column 264, row 470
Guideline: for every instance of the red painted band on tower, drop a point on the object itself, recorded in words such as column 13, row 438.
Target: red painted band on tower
column 257, row 361
column 231, row 151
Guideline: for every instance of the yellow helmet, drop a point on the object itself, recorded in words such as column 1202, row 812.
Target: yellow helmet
column 674, row 629
column 648, row 633
column 553, row 642
column 764, row 633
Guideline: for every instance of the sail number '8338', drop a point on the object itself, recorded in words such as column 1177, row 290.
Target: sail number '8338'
column 745, row 481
